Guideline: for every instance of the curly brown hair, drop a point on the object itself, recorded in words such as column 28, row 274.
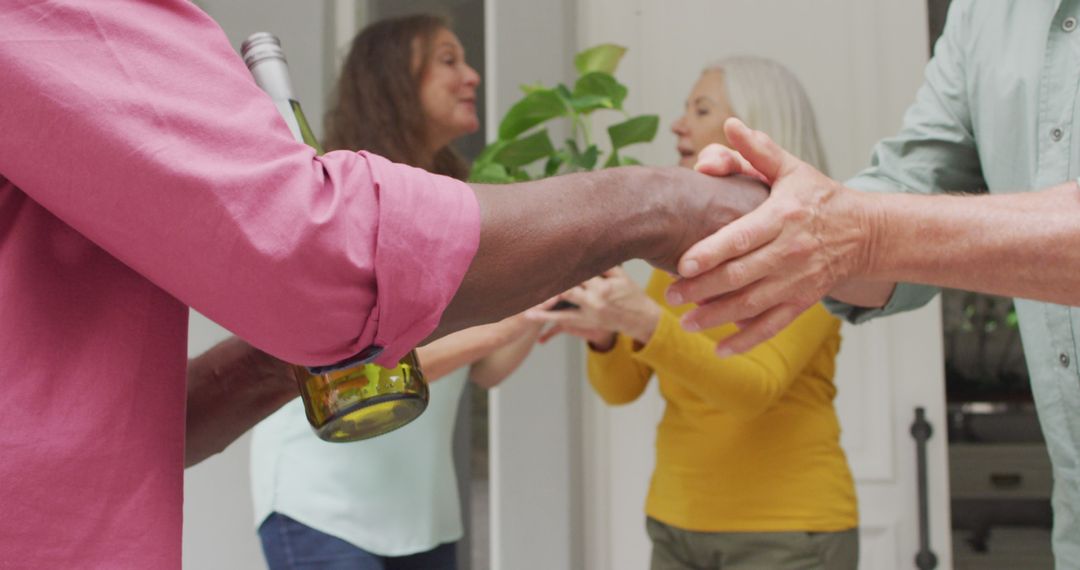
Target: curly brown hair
column 376, row 103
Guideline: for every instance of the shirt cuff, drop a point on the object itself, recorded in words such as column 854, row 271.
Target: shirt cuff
column 658, row 346
column 623, row 346
column 905, row 297
column 429, row 231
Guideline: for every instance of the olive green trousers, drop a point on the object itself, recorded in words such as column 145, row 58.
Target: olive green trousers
column 678, row 549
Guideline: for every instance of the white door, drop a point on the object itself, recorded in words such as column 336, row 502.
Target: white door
column 888, row 369
column 576, row 474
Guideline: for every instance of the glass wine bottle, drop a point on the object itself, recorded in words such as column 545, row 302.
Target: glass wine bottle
column 349, row 400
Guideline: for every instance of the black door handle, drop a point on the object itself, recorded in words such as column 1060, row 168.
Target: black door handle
column 921, row 430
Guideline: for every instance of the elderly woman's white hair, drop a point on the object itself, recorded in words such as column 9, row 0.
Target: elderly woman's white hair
column 768, row 97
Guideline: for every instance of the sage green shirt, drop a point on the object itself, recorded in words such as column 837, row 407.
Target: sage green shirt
column 997, row 111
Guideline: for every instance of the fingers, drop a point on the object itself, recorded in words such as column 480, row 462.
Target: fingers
column 756, row 147
column 727, row 277
column 744, row 305
column 729, row 242
column 719, row 160
column 566, row 319
column 543, row 315
column 758, row 330
column 616, row 271
column 578, row 295
column 544, row 306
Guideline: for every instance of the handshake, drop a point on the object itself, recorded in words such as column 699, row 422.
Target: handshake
column 743, row 254
column 763, row 270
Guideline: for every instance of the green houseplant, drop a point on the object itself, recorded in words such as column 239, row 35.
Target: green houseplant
column 524, row 142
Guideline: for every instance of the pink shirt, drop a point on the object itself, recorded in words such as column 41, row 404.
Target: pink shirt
column 142, row 172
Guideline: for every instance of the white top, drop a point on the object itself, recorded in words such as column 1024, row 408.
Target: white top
column 391, row 495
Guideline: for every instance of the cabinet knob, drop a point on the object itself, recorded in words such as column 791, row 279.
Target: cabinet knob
column 1006, row 480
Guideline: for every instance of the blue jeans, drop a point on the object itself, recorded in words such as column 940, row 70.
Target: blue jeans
column 290, row 545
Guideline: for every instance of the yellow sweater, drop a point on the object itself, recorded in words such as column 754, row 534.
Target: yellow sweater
column 747, row 443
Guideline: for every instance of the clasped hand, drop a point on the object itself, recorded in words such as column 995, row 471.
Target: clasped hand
column 764, row 269
column 607, row 304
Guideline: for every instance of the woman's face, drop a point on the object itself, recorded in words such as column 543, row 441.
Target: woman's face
column 702, row 122
column 448, row 91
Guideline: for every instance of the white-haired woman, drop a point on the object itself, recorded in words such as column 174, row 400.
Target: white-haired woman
column 749, row 470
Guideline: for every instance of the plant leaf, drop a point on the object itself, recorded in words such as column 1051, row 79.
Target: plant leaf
column 581, row 160
column 490, row 173
column 590, row 103
column 1011, row 319
column 587, row 160
column 488, row 153
column 612, row 160
column 565, row 95
column 597, row 90
column 637, row 130
column 533, row 109
column 554, row 162
column 520, row 152
column 532, row 87
column 604, row 57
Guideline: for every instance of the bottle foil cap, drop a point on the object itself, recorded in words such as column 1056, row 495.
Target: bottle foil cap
column 260, row 46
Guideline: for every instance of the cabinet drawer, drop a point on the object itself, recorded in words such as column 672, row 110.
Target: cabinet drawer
column 999, row 471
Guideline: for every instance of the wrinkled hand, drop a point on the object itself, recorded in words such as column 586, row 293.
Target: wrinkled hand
column 606, row 304
column 769, row 266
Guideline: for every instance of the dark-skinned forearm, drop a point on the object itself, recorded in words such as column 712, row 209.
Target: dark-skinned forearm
column 231, row 387
column 539, row 238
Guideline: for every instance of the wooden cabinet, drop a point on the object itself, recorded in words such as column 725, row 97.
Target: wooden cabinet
column 999, row 471
column 1000, row 506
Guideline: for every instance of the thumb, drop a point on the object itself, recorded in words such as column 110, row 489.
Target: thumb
column 718, row 160
column 758, row 149
column 616, row 271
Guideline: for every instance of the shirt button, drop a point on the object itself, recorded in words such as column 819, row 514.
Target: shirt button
column 1056, row 134
column 1069, row 24
column 1064, row 359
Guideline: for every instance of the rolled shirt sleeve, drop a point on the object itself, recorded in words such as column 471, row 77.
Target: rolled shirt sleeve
column 934, row 152
column 137, row 124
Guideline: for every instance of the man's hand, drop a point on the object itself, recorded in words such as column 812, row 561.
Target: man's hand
column 698, row 206
column 232, row 387
column 769, row 266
